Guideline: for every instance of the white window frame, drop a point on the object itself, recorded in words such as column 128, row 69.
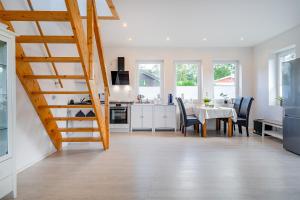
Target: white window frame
column 199, row 77
column 238, row 76
column 161, row 62
column 274, row 70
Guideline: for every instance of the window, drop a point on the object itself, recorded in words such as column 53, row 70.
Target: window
column 149, row 79
column 283, row 56
column 225, row 79
column 187, row 80
column 275, row 72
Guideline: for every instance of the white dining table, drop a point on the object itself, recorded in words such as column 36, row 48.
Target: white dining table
column 204, row 113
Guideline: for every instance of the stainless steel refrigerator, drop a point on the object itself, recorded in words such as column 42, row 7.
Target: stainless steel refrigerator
column 291, row 105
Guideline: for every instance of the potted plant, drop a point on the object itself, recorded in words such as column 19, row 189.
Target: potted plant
column 206, row 101
column 225, row 97
column 281, row 100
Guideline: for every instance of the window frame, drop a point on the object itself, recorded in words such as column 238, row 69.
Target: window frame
column 199, row 77
column 161, row 62
column 238, row 76
column 274, row 73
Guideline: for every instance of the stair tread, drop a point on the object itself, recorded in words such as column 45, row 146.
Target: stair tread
column 60, row 92
column 81, row 129
column 74, row 118
column 82, row 139
column 49, row 59
column 45, row 39
column 24, row 15
column 68, row 106
column 54, row 76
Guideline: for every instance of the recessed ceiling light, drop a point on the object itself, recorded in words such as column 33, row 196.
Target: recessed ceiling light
column 204, row 39
column 168, row 38
column 124, row 25
column 130, row 39
column 242, row 38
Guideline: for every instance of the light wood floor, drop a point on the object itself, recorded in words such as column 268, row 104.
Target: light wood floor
column 166, row 166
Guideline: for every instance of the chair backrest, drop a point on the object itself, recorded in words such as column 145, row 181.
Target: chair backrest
column 245, row 107
column 237, row 104
column 180, row 110
column 184, row 116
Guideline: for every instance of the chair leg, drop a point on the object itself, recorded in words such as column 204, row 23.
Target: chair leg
column 225, row 127
column 240, row 129
column 184, row 131
column 247, row 131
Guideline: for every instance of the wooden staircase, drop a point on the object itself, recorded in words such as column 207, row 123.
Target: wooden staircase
column 84, row 45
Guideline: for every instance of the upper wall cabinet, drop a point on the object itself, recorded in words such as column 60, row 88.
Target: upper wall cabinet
column 7, row 113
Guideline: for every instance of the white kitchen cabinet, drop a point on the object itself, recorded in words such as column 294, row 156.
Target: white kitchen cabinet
column 7, row 113
column 147, row 119
column 165, row 117
column 141, row 117
column 153, row 117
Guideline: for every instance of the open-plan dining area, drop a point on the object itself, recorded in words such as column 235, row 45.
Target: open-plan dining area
column 149, row 100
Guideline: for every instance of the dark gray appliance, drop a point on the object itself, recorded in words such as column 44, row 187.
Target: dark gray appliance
column 291, row 105
column 120, row 77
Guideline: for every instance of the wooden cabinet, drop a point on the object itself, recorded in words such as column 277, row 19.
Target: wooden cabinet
column 7, row 113
column 153, row 117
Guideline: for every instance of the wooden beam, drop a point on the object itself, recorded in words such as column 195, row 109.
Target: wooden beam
column 45, row 39
column 74, row 118
column 76, row 23
column 90, row 37
column 59, row 92
column 78, row 129
column 31, row 76
column 17, row 15
column 67, row 106
column 82, row 139
column 113, row 11
column 100, row 49
column 49, row 59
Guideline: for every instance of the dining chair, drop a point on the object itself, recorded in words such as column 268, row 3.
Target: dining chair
column 187, row 120
column 237, row 107
column 243, row 116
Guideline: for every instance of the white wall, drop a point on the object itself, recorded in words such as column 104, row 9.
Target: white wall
column 32, row 141
column 262, row 53
column 169, row 56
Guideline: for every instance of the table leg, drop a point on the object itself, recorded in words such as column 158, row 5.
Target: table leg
column 204, row 129
column 229, row 127
column 218, row 124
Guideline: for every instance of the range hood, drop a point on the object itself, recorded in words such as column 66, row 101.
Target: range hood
column 120, row 77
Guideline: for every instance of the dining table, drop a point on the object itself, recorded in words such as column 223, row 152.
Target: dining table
column 204, row 113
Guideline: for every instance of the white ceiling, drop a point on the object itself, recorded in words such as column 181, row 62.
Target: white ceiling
column 187, row 22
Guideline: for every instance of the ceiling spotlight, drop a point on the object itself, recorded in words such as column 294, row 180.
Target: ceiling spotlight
column 130, row 39
column 168, row 38
column 124, row 25
column 204, row 39
column 242, row 38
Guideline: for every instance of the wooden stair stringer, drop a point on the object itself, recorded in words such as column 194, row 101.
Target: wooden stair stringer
column 78, row 31
column 36, row 100
column 31, row 85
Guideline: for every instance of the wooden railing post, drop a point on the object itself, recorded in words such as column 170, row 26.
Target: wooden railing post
column 107, row 118
column 90, row 36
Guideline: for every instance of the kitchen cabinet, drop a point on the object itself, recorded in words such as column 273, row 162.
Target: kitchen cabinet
column 141, row 117
column 153, row 117
column 7, row 113
column 165, row 117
